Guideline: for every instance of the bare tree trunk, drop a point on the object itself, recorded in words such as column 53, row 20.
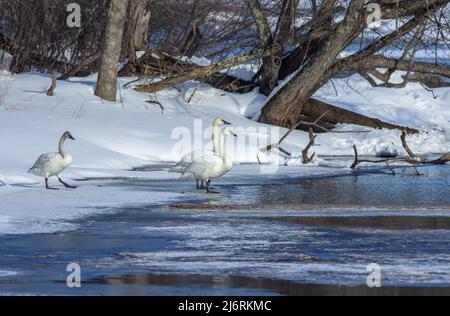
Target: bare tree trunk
column 137, row 30
column 192, row 41
column 309, row 45
column 107, row 77
column 275, row 44
column 285, row 108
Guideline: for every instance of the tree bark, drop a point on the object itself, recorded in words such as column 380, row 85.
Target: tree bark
column 322, row 27
column 51, row 90
column 285, row 107
column 192, row 41
column 314, row 109
column 274, row 44
column 107, row 77
column 309, row 45
column 137, row 29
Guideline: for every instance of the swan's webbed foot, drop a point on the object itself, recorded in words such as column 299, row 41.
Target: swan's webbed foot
column 67, row 186
column 47, row 186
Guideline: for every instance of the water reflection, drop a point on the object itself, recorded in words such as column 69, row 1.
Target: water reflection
column 368, row 189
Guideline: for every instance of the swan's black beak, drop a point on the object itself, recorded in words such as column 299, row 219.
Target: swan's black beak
column 71, row 137
column 226, row 123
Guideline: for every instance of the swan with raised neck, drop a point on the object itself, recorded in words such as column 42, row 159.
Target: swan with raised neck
column 53, row 164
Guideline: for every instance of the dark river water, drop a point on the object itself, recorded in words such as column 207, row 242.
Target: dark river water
column 281, row 235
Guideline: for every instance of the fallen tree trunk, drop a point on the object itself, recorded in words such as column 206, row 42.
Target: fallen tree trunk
column 202, row 72
column 155, row 64
column 229, row 83
column 313, row 109
column 81, row 69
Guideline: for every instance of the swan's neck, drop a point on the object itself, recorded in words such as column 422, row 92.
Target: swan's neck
column 216, row 139
column 62, row 151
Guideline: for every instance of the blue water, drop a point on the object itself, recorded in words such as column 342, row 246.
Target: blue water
column 243, row 240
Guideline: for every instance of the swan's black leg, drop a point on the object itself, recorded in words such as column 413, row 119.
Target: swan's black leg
column 200, row 185
column 208, row 188
column 66, row 185
column 47, row 187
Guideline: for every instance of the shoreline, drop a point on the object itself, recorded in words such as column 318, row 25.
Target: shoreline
column 283, row 288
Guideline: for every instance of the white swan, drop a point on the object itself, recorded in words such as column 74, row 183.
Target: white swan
column 53, row 164
column 209, row 167
column 192, row 156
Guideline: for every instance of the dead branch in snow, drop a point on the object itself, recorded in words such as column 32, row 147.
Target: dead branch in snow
column 201, row 72
column 406, row 146
column 51, row 90
column 358, row 161
column 312, row 142
column 411, row 159
column 312, row 138
column 277, row 145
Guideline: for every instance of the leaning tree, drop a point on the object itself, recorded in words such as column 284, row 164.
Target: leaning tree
column 318, row 65
column 304, row 43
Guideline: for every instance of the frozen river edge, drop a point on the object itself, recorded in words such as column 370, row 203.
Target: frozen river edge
column 318, row 239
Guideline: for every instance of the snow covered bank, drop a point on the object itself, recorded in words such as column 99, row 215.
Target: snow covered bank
column 133, row 132
column 28, row 210
column 113, row 137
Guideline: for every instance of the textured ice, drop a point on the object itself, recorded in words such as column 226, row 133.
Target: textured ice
column 242, row 243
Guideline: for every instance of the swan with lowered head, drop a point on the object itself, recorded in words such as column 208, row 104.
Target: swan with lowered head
column 212, row 166
column 194, row 155
column 53, row 164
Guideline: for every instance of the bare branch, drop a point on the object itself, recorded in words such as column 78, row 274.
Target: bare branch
column 51, row 90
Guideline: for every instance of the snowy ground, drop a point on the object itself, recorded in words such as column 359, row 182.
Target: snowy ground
column 112, row 138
